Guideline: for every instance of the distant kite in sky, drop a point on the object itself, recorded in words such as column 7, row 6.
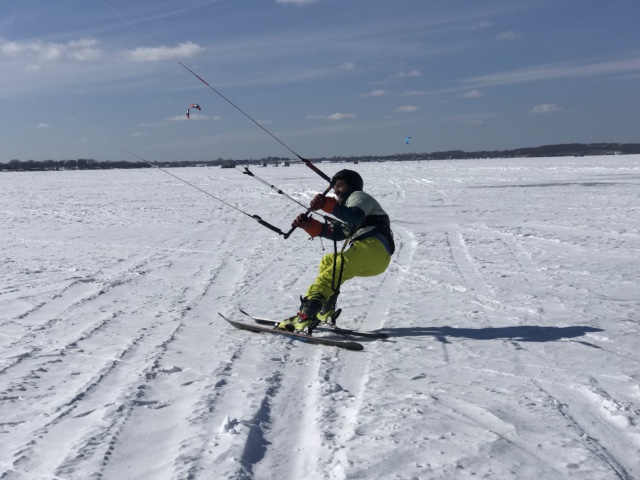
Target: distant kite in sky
column 406, row 140
column 193, row 105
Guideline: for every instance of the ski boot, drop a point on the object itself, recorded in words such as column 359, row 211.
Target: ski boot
column 330, row 318
column 328, row 313
column 305, row 321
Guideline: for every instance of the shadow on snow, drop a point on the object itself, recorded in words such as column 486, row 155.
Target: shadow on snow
column 519, row 333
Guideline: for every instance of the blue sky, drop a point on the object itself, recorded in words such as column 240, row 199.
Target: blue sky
column 87, row 79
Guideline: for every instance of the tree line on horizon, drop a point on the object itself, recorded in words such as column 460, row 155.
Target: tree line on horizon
column 561, row 150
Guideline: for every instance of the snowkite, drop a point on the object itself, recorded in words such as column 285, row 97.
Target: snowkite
column 193, row 105
column 406, row 140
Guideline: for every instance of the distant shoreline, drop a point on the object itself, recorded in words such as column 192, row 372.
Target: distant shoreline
column 559, row 150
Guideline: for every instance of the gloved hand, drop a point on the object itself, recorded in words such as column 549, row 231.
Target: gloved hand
column 317, row 202
column 301, row 221
column 310, row 225
column 327, row 204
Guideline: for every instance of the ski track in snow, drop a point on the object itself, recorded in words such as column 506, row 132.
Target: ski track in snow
column 510, row 303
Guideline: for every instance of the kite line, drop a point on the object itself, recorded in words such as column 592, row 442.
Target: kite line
column 306, row 162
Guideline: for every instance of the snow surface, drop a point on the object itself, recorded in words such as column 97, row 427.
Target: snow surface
column 511, row 305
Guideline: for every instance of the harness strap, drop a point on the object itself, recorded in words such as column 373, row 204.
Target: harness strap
column 336, row 289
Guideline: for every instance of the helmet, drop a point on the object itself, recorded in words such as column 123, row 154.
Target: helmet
column 351, row 178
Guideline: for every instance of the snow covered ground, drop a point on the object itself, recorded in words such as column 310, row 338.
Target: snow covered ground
column 512, row 306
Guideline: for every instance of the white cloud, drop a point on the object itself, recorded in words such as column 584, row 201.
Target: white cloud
column 86, row 55
column 545, row 72
column 545, row 108
column 83, row 43
column 85, row 49
column 347, row 66
column 42, row 125
column 407, row 109
column 375, row 93
column 333, row 116
column 472, row 94
column 44, row 51
column 410, row 73
column 88, row 50
column 414, row 93
column 155, row 54
column 340, row 116
column 178, row 118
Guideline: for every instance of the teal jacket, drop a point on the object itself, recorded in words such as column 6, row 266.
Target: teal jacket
column 364, row 218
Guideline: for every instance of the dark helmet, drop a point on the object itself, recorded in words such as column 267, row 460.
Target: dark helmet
column 351, row 178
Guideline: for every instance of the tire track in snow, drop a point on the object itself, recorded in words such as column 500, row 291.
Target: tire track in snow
column 134, row 399
column 243, row 419
column 67, row 327
column 191, row 416
column 292, row 397
column 482, row 294
column 503, row 430
column 64, row 324
column 222, row 431
column 621, row 414
column 463, row 259
column 537, row 299
column 591, row 444
column 515, row 262
column 138, row 399
column 145, row 341
column 50, row 436
column 48, row 314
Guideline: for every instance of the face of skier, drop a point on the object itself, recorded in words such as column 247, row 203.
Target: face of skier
column 341, row 188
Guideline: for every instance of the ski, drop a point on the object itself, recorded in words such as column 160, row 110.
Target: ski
column 323, row 328
column 346, row 344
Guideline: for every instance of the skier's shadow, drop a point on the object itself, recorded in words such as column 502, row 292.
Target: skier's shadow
column 521, row 333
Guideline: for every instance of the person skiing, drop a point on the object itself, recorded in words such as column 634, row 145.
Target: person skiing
column 367, row 230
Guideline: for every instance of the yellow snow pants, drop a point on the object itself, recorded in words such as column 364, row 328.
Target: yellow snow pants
column 365, row 258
